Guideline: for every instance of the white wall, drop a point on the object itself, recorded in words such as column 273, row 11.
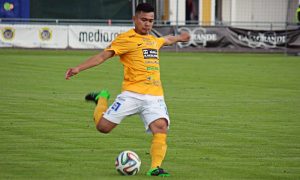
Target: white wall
column 256, row 14
column 181, row 12
column 226, row 10
column 271, row 10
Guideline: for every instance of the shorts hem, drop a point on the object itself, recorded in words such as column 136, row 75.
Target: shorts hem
column 116, row 121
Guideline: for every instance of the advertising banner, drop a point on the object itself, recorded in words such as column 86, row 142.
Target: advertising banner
column 33, row 36
column 264, row 39
column 204, row 37
column 219, row 38
column 93, row 37
column 99, row 37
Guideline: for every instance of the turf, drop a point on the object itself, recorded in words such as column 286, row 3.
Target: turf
column 234, row 116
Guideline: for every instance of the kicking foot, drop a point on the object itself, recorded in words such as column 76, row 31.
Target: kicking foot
column 94, row 96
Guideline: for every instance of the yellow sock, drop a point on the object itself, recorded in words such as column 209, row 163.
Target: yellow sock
column 100, row 108
column 158, row 149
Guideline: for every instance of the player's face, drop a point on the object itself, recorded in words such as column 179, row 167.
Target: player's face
column 143, row 22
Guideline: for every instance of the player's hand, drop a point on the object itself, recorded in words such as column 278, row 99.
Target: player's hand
column 184, row 36
column 71, row 72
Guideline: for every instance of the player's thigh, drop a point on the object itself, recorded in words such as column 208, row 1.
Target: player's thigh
column 122, row 107
column 155, row 110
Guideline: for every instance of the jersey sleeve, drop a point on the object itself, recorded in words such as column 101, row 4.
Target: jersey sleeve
column 160, row 41
column 120, row 46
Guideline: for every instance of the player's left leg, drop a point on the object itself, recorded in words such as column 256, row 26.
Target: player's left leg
column 156, row 119
column 158, row 148
column 159, row 141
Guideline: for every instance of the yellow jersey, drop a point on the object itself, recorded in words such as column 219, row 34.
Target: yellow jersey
column 139, row 55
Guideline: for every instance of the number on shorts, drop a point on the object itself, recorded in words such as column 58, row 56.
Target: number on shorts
column 116, row 106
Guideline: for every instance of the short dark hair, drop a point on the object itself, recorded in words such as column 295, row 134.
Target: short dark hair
column 144, row 7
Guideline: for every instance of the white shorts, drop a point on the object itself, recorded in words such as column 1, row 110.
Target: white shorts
column 149, row 107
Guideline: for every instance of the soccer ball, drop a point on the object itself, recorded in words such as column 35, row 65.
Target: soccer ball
column 128, row 163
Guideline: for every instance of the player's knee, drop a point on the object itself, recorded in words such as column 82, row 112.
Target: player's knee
column 159, row 126
column 103, row 130
column 105, row 126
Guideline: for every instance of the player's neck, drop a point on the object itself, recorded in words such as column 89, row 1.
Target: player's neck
column 140, row 33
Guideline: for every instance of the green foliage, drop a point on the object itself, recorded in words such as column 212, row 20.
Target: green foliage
column 233, row 116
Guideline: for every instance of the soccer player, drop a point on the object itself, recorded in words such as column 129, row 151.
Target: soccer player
column 142, row 91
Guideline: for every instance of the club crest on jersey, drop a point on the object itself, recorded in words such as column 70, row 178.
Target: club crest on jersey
column 150, row 53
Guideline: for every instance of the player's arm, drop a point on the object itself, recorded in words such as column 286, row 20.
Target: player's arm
column 182, row 37
column 91, row 62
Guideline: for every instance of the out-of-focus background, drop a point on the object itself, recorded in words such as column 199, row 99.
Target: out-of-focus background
column 215, row 25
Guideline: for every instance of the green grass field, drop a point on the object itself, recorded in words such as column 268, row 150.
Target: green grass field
column 233, row 116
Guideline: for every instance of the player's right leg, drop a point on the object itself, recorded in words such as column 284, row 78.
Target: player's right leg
column 105, row 126
column 106, row 118
column 101, row 100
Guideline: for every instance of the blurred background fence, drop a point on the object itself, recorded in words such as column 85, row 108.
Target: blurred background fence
column 216, row 25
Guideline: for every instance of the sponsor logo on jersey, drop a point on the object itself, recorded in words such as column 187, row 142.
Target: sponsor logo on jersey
column 150, row 53
column 151, row 62
column 152, row 68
